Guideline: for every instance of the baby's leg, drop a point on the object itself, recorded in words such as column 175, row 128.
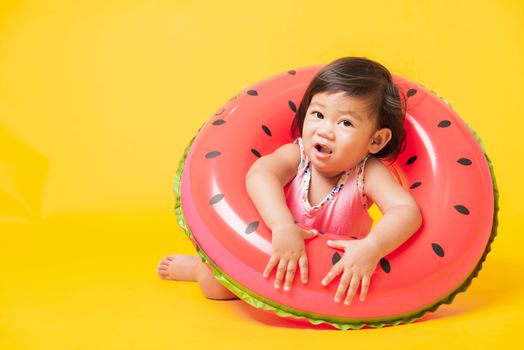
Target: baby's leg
column 211, row 288
column 190, row 268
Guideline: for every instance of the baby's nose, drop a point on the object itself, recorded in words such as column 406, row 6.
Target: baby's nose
column 326, row 132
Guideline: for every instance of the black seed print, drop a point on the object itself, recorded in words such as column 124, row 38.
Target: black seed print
column 437, row 249
column 292, row 106
column 464, row 161
column 462, row 209
column 384, row 264
column 251, row 227
column 220, row 111
column 335, row 258
column 353, row 237
column 266, row 130
column 292, row 72
column 213, row 154
column 256, row 153
column 252, row 92
column 321, row 232
column 216, row 198
column 444, row 124
column 411, row 92
column 415, row 185
column 219, row 122
column 411, row 160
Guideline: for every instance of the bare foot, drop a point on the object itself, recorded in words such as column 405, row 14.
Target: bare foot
column 178, row 267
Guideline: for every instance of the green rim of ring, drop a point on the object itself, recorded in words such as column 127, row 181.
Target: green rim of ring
column 315, row 319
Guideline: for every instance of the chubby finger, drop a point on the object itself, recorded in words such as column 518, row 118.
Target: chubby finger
column 270, row 265
column 352, row 289
column 335, row 270
column 281, row 271
column 290, row 274
column 340, row 244
column 364, row 288
column 303, row 263
column 343, row 285
column 308, row 234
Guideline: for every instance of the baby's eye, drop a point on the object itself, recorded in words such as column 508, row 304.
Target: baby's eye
column 318, row 115
column 346, row 123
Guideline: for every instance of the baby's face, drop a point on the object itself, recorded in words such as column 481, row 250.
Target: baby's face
column 337, row 132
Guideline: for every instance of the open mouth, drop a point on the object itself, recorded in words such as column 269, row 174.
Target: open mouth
column 323, row 148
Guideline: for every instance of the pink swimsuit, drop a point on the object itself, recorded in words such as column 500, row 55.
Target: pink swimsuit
column 343, row 211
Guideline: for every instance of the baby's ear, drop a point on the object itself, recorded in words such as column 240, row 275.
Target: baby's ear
column 379, row 139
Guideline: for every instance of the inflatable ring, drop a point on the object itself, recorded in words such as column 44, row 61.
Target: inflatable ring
column 443, row 166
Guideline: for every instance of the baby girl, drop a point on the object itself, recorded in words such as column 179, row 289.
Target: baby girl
column 351, row 116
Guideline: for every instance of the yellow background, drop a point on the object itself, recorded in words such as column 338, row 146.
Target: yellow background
column 98, row 100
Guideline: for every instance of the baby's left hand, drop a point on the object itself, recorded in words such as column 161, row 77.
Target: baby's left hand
column 358, row 263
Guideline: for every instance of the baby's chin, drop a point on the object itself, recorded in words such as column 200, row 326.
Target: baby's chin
column 326, row 171
column 329, row 167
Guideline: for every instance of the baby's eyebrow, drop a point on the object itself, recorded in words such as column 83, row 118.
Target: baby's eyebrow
column 349, row 111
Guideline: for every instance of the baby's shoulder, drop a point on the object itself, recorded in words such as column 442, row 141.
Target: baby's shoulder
column 375, row 169
column 378, row 176
column 285, row 160
column 289, row 151
column 376, row 173
column 373, row 164
column 282, row 162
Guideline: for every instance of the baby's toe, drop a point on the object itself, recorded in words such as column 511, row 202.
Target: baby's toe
column 164, row 263
column 163, row 266
column 166, row 260
column 162, row 273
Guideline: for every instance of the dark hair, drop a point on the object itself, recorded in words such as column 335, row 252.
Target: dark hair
column 361, row 77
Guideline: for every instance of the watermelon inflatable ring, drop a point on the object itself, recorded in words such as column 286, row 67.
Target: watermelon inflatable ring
column 443, row 166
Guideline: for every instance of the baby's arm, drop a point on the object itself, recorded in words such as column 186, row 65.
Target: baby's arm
column 265, row 181
column 401, row 214
column 401, row 218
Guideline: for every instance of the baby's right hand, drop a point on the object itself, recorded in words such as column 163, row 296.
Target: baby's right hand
column 288, row 249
